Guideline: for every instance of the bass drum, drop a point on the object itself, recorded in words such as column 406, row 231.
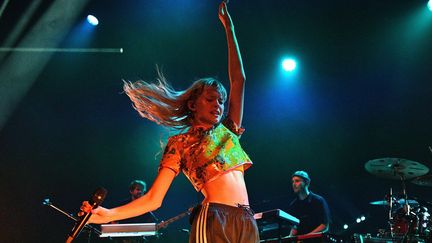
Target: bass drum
column 403, row 225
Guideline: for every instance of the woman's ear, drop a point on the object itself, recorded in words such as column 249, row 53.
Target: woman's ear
column 191, row 105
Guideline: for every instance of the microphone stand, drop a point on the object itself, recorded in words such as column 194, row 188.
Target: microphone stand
column 47, row 202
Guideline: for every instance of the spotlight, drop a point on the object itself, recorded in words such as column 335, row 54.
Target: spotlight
column 430, row 5
column 345, row 226
column 289, row 64
column 358, row 220
column 363, row 218
column 92, row 20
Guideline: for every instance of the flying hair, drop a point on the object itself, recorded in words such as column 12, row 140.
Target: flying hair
column 161, row 103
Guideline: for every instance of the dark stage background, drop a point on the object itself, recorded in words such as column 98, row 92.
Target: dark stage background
column 362, row 91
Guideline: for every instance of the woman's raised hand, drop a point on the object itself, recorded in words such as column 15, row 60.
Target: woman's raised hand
column 224, row 16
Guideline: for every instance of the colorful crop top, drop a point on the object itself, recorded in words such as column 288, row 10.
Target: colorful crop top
column 205, row 155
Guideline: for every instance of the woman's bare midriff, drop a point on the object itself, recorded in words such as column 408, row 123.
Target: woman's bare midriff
column 229, row 189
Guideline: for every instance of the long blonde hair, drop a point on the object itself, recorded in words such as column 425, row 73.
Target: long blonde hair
column 160, row 103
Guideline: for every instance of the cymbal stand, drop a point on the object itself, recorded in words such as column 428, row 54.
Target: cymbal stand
column 390, row 203
column 396, row 168
column 405, row 196
column 407, row 209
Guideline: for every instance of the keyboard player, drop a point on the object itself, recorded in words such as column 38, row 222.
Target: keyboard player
column 311, row 209
column 137, row 188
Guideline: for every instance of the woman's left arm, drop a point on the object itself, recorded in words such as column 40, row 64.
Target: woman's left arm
column 235, row 68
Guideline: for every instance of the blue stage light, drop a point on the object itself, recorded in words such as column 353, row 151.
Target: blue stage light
column 430, row 5
column 345, row 226
column 92, row 20
column 289, row 64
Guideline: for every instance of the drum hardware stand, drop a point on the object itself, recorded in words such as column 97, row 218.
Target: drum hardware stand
column 397, row 170
column 406, row 207
column 90, row 228
column 405, row 196
column 391, row 210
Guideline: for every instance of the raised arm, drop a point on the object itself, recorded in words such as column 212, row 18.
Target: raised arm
column 235, row 68
column 151, row 201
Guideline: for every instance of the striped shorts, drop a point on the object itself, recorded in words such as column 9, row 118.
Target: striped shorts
column 222, row 223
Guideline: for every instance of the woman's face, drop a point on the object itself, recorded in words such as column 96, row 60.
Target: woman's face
column 208, row 108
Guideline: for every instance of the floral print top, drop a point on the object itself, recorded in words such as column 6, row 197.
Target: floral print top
column 205, row 155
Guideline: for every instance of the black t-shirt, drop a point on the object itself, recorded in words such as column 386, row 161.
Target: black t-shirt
column 312, row 211
column 145, row 218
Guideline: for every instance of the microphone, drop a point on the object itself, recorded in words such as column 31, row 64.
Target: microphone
column 97, row 198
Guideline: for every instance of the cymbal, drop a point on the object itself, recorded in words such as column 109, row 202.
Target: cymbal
column 425, row 180
column 396, row 168
column 400, row 202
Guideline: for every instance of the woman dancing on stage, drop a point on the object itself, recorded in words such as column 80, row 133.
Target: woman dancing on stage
column 208, row 151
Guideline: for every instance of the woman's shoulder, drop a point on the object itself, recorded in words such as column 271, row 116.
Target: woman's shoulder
column 179, row 137
column 232, row 126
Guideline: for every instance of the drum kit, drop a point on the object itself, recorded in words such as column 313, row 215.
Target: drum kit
column 409, row 217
